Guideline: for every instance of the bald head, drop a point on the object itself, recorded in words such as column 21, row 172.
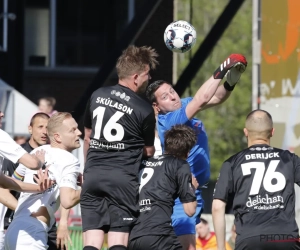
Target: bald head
column 259, row 124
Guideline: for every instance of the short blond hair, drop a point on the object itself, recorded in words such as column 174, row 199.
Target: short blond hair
column 56, row 121
column 134, row 60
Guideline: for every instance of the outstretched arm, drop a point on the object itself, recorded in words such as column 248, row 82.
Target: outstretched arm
column 13, row 184
column 210, row 93
column 7, row 199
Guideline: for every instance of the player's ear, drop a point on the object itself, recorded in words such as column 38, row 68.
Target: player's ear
column 245, row 132
column 272, row 131
column 156, row 108
column 30, row 129
column 57, row 137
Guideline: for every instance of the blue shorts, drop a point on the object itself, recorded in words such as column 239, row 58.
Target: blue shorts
column 182, row 223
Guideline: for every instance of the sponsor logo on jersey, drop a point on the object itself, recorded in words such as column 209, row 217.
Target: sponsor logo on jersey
column 145, row 202
column 262, row 156
column 152, row 164
column 265, row 202
column 261, row 149
column 122, row 96
column 127, row 218
column 107, row 145
column 114, row 104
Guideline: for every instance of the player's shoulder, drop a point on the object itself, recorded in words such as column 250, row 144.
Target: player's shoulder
column 43, row 147
column 62, row 156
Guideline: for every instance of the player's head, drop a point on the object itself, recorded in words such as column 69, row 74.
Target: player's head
column 134, row 66
column 63, row 131
column 38, row 130
column 46, row 104
column 1, row 117
column 259, row 126
column 163, row 96
column 179, row 140
column 202, row 229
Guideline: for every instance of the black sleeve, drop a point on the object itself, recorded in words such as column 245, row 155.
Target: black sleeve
column 186, row 192
column 224, row 185
column 149, row 129
column 296, row 161
column 8, row 167
column 87, row 120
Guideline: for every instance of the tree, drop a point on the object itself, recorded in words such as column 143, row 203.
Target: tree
column 224, row 123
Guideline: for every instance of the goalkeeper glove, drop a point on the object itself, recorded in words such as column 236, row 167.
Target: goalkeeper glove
column 233, row 75
column 232, row 61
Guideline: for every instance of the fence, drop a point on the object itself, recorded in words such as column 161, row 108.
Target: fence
column 76, row 237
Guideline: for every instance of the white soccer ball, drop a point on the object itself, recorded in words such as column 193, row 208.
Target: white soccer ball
column 180, row 36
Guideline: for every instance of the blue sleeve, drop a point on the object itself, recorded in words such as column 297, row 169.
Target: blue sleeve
column 170, row 119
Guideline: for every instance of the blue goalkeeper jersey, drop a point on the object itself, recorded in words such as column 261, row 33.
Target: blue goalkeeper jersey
column 199, row 155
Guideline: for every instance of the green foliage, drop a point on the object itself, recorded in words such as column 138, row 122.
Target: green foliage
column 224, row 123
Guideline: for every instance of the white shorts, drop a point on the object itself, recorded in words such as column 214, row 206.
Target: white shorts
column 2, row 235
column 26, row 233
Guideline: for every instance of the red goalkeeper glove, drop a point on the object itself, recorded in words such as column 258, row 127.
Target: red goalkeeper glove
column 232, row 61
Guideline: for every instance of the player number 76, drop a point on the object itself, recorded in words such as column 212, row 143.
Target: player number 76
column 266, row 180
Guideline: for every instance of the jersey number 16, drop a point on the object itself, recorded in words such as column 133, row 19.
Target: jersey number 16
column 109, row 127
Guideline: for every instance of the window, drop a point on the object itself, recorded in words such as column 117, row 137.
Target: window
column 73, row 33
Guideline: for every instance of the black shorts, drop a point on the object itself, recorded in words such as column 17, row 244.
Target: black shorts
column 109, row 200
column 268, row 242
column 154, row 242
column 52, row 238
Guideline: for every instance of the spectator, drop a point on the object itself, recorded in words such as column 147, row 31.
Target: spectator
column 46, row 105
column 206, row 240
column 1, row 116
column 231, row 240
column 20, row 139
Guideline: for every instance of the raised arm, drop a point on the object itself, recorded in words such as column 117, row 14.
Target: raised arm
column 210, row 93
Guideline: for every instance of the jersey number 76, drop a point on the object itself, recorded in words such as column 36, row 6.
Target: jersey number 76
column 266, row 180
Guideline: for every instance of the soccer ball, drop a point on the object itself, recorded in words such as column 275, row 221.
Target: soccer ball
column 180, row 36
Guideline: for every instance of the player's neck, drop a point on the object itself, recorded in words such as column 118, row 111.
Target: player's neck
column 33, row 143
column 127, row 84
column 258, row 142
column 60, row 145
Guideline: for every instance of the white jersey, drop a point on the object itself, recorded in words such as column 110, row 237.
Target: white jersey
column 64, row 169
column 9, row 148
column 157, row 145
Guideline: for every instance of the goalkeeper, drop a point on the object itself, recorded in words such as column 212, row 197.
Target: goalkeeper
column 172, row 111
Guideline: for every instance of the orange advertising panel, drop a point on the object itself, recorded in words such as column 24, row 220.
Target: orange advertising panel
column 280, row 69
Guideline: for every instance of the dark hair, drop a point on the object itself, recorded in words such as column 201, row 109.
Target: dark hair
column 151, row 89
column 41, row 115
column 179, row 140
column 204, row 221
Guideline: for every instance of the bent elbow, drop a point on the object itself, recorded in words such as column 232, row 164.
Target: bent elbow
column 190, row 210
column 66, row 204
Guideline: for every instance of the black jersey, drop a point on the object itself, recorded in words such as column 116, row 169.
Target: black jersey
column 162, row 180
column 261, row 180
column 122, row 123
